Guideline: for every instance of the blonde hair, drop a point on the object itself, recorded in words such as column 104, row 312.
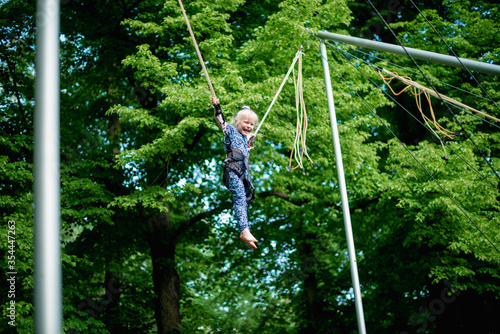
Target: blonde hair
column 246, row 112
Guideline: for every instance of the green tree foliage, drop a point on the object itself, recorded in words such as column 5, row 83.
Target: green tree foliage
column 149, row 243
column 16, row 163
column 450, row 209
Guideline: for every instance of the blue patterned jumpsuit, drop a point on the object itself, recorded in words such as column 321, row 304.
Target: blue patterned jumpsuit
column 236, row 187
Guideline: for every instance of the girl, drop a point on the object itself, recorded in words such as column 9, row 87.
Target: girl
column 236, row 171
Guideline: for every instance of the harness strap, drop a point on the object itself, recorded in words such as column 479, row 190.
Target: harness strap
column 232, row 165
column 235, row 154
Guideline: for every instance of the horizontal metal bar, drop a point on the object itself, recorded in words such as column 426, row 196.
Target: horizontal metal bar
column 438, row 58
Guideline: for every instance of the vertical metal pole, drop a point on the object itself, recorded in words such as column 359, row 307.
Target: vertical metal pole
column 343, row 193
column 48, row 277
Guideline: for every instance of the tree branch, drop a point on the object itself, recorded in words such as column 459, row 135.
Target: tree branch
column 281, row 195
column 202, row 215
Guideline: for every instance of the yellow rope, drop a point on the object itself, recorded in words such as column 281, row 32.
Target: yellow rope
column 408, row 81
column 417, row 91
column 299, row 148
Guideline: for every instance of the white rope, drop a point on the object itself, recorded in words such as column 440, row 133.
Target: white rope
column 297, row 55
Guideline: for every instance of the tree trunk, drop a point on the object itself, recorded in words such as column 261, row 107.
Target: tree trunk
column 111, row 302
column 166, row 280
column 313, row 301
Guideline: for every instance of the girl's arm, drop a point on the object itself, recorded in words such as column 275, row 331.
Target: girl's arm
column 219, row 116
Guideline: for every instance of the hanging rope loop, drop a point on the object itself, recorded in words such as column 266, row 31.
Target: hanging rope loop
column 299, row 148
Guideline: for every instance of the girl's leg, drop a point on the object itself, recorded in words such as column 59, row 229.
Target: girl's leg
column 240, row 208
column 240, row 205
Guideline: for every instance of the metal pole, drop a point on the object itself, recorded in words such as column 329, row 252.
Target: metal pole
column 415, row 53
column 48, row 277
column 343, row 194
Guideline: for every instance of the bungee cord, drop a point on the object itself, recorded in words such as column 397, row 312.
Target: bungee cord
column 411, row 154
column 418, row 90
column 202, row 63
column 301, row 110
column 220, row 115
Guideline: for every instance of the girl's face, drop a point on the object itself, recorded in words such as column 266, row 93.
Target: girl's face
column 245, row 125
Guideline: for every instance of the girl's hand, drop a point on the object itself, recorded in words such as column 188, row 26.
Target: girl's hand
column 251, row 140
column 215, row 101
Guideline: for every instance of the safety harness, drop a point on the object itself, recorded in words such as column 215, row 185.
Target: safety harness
column 233, row 156
column 231, row 165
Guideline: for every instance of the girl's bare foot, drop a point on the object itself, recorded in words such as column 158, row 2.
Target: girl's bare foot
column 248, row 238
